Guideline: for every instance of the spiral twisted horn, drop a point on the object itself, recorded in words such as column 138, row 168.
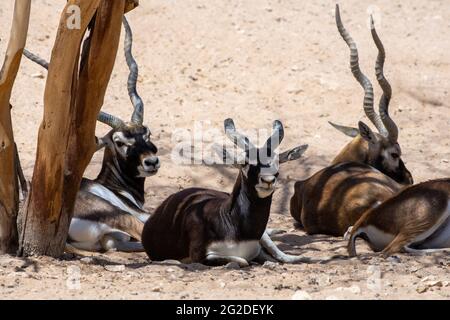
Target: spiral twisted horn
column 391, row 127
column 103, row 117
column 359, row 76
column 110, row 120
column 35, row 59
column 138, row 104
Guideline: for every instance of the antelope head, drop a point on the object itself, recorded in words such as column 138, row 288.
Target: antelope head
column 129, row 142
column 259, row 166
column 384, row 152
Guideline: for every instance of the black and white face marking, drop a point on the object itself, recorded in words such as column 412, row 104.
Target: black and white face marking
column 261, row 165
column 385, row 155
column 135, row 152
column 263, row 175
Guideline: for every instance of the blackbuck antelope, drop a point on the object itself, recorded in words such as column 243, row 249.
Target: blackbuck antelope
column 366, row 172
column 214, row 227
column 380, row 150
column 109, row 210
column 417, row 220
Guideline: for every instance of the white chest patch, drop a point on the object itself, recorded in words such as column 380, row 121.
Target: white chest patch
column 247, row 250
column 378, row 239
column 108, row 195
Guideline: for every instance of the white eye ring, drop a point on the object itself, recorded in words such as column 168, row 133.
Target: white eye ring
column 119, row 143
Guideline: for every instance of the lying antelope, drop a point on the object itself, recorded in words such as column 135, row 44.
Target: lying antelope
column 366, row 172
column 416, row 220
column 214, row 227
column 109, row 210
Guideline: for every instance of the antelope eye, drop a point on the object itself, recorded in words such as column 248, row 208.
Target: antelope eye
column 120, row 144
column 395, row 155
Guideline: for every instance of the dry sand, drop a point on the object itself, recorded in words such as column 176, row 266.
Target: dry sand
column 255, row 61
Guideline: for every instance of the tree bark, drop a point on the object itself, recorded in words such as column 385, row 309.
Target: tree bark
column 73, row 99
column 9, row 190
column 95, row 72
column 44, row 227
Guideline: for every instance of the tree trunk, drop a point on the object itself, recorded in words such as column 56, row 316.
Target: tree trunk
column 96, row 67
column 67, row 136
column 9, row 191
column 44, row 227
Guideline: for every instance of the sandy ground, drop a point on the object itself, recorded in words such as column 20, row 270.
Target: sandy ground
column 255, row 61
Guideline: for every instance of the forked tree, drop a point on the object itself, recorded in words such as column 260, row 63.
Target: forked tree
column 9, row 188
column 77, row 79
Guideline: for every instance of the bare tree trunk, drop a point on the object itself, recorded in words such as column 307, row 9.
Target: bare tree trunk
column 71, row 141
column 96, row 67
column 9, row 190
column 44, row 227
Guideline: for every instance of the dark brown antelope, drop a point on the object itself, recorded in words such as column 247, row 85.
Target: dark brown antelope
column 417, row 220
column 366, row 172
column 109, row 210
column 214, row 227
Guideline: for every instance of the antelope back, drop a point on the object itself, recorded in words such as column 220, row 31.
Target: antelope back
column 417, row 217
column 334, row 198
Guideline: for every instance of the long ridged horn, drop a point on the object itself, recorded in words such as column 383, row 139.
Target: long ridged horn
column 103, row 117
column 138, row 104
column 391, row 127
column 359, row 76
column 35, row 58
column 110, row 120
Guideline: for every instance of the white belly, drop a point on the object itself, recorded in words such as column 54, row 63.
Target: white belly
column 377, row 238
column 82, row 230
column 247, row 250
column 440, row 233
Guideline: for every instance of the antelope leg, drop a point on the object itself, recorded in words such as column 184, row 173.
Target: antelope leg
column 277, row 254
column 272, row 232
column 111, row 242
column 130, row 246
column 263, row 256
column 212, row 259
column 420, row 252
column 348, row 233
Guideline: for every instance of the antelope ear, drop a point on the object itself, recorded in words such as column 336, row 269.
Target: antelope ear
column 238, row 138
column 227, row 157
column 348, row 131
column 367, row 133
column 100, row 142
column 104, row 141
column 292, row 154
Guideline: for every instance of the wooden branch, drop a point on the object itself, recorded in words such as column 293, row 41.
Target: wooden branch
column 43, row 233
column 8, row 174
